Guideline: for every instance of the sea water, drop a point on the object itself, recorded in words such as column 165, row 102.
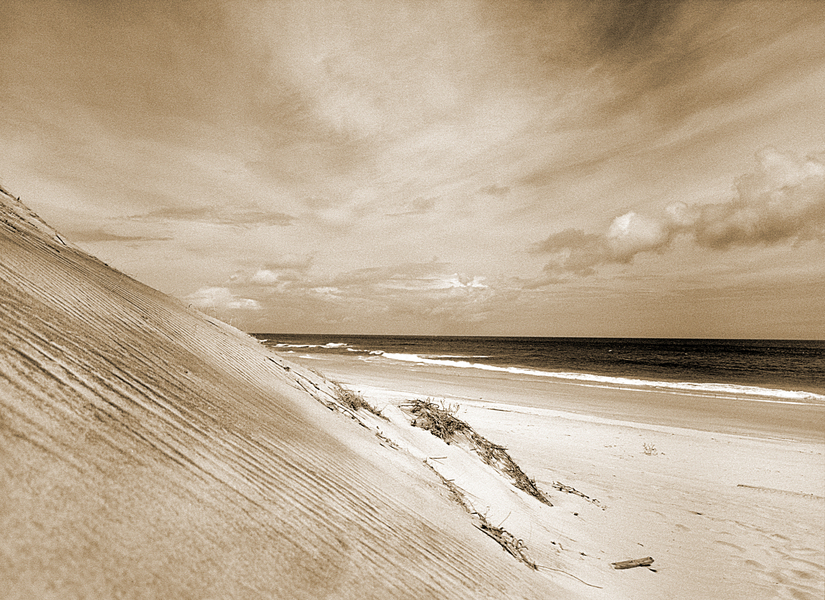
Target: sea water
column 783, row 371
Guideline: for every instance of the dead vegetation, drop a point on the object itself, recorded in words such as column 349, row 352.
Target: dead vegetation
column 571, row 490
column 442, row 423
column 354, row 400
column 508, row 542
column 638, row 562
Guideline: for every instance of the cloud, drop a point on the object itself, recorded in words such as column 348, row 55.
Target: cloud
column 403, row 296
column 220, row 299
column 235, row 216
column 406, row 279
column 573, row 251
column 407, row 276
column 265, row 277
column 631, row 233
column 99, row 235
column 283, row 270
column 495, row 190
column 783, row 200
column 419, row 206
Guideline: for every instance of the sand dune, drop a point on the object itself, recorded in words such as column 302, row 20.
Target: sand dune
column 149, row 450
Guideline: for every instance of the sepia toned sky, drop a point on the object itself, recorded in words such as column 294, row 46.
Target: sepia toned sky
column 469, row 167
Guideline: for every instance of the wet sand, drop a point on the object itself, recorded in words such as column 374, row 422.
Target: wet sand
column 740, row 415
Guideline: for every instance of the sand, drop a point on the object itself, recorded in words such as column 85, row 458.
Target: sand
column 732, row 506
column 149, row 450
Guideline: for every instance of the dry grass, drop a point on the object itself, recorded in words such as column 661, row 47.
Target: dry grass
column 353, row 400
column 571, row 490
column 442, row 423
column 497, row 457
column 439, row 421
column 507, row 541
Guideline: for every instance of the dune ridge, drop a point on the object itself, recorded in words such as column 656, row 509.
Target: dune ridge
column 149, row 450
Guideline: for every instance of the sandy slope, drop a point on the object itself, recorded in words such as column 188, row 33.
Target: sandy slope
column 150, row 451
column 726, row 516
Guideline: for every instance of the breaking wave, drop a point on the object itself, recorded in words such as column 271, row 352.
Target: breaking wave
column 699, row 388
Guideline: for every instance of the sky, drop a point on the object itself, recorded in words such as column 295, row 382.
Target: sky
column 627, row 168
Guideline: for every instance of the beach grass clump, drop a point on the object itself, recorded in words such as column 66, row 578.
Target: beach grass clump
column 439, row 421
column 442, row 423
column 353, row 400
column 497, row 457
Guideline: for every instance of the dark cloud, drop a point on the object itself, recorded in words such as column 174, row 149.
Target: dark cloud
column 574, row 251
column 630, row 27
column 99, row 235
column 783, row 200
column 419, row 206
column 236, row 216
column 495, row 190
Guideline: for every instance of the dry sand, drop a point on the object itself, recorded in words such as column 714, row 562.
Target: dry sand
column 151, row 451
column 730, row 507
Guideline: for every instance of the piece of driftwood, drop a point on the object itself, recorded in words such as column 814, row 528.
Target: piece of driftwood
column 629, row 564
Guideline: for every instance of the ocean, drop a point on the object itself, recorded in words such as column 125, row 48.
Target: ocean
column 783, row 371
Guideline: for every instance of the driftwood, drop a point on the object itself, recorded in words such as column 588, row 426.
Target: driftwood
column 629, row 564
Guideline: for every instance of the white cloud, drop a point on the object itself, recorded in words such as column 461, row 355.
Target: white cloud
column 265, row 277
column 631, row 233
column 460, row 281
column 783, row 200
column 221, row 298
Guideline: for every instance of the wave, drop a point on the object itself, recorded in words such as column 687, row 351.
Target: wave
column 725, row 389
column 455, row 356
column 329, row 345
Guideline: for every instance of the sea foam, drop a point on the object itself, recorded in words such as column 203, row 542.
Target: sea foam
column 697, row 388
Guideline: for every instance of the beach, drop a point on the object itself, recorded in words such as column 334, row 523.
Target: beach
column 730, row 502
column 152, row 451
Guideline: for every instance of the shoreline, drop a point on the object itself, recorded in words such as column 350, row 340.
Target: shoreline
column 147, row 440
column 724, row 502
column 735, row 415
